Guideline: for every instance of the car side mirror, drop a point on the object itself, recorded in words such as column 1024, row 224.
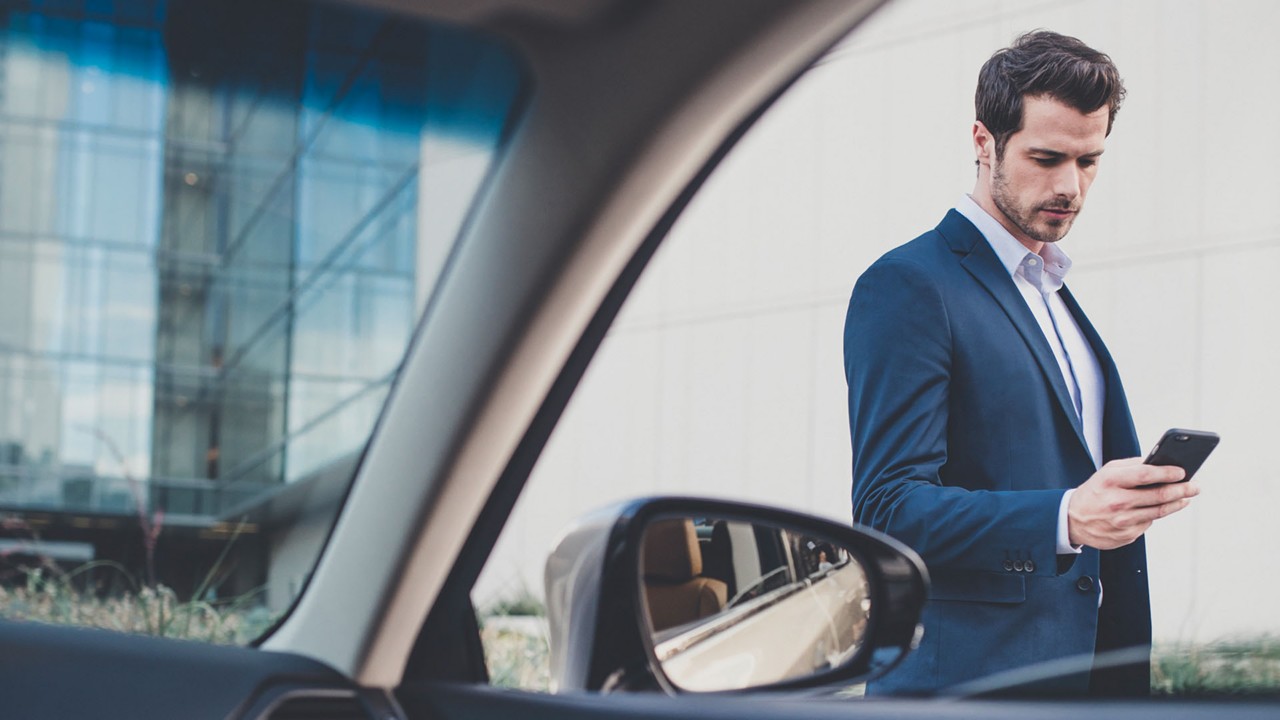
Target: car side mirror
column 691, row 595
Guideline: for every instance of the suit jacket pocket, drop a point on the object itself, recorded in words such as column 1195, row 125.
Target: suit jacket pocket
column 978, row 587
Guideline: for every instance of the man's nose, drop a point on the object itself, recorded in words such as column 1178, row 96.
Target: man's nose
column 1067, row 181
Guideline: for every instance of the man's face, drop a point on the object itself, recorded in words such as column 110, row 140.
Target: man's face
column 1038, row 185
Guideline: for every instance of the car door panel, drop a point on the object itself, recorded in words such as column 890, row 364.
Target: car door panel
column 61, row 672
column 460, row 702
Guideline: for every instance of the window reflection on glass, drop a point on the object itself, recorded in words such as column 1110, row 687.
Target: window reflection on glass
column 219, row 223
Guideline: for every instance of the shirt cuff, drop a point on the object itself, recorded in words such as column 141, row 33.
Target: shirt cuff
column 1064, row 538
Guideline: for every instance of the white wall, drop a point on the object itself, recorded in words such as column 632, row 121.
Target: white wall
column 723, row 375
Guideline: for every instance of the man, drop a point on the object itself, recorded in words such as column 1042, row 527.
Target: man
column 990, row 430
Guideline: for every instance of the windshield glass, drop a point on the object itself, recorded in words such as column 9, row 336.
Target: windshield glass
column 219, row 225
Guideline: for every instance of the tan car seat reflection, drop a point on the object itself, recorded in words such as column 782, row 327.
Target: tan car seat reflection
column 675, row 591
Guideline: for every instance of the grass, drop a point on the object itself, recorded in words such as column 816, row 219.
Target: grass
column 53, row 597
column 1227, row 667
column 514, row 634
column 49, row 594
column 516, row 658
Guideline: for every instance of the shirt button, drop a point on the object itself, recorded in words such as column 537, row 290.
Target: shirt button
column 1084, row 584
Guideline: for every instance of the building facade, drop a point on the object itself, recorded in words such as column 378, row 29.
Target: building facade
column 214, row 246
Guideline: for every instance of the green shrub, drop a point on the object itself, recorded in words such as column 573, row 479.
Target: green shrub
column 521, row 602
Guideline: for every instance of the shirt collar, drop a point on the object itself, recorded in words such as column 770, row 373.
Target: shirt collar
column 1013, row 254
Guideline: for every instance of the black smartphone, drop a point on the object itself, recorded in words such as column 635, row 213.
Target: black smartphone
column 1186, row 449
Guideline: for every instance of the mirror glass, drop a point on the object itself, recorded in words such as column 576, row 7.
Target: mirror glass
column 733, row 604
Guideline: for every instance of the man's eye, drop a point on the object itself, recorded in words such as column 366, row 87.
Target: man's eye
column 1088, row 162
column 1045, row 162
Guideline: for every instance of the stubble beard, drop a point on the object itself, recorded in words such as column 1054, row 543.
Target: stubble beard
column 1024, row 218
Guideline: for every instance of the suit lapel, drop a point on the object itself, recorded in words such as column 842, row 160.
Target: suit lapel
column 981, row 262
column 1119, row 439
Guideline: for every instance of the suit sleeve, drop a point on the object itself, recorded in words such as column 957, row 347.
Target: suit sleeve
column 898, row 354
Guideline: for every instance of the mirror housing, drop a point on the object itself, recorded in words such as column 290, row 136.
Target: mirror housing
column 600, row 632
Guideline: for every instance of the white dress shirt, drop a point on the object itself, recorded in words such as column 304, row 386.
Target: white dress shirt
column 1039, row 278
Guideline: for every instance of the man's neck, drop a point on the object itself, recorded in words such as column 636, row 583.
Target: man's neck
column 982, row 196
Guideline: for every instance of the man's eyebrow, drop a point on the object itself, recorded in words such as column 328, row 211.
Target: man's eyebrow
column 1059, row 153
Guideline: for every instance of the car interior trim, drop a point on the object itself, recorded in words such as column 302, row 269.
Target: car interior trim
column 582, row 251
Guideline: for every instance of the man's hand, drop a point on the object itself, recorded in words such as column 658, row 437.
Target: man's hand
column 1112, row 508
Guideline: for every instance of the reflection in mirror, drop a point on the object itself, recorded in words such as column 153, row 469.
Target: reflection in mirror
column 734, row 604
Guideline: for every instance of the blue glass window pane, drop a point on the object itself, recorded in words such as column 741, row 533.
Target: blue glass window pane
column 218, row 219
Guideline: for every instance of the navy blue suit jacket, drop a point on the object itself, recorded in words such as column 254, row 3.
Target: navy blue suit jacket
column 964, row 440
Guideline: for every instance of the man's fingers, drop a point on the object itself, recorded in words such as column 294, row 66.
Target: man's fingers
column 1124, row 462
column 1164, row 493
column 1123, row 499
column 1147, row 515
column 1170, row 508
column 1135, row 475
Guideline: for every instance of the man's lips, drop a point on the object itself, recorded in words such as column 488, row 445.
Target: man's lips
column 1058, row 213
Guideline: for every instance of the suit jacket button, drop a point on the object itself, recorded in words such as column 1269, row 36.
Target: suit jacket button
column 1029, row 566
column 1018, row 566
column 1084, row 584
column 1008, row 565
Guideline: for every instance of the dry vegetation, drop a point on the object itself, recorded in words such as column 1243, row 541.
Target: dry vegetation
column 54, row 597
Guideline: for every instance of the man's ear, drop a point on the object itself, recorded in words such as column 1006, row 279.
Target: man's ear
column 984, row 144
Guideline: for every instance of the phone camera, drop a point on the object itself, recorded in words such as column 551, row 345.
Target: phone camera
column 1182, row 438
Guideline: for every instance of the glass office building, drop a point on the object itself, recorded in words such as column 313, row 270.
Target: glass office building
column 212, row 256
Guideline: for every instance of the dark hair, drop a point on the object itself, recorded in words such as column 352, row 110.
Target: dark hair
column 1044, row 63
